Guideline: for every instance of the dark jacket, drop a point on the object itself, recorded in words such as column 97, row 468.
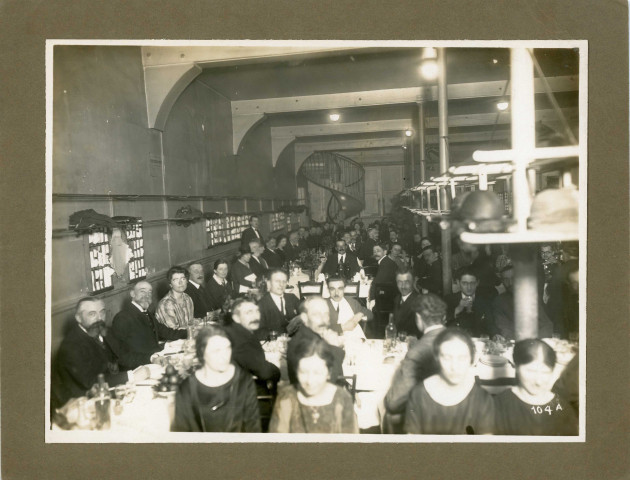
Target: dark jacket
column 291, row 253
column 200, row 300
column 478, row 321
column 258, row 266
column 347, row 270
column 383, row 289
column 249, row 355
column 249, row 234
column 271, row 318
column 79, row 361
column 273, row 259
column 239, row 414
column 405, row 316
column 137, row 336
column 218, row 293
column 366, row 251
column 428, row 276
column 238, row 273
column 305, row 334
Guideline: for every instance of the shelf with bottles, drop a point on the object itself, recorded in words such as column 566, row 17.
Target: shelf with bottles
column 277, row 221
column 99, row 258
column 135, row 240
column 226, row 229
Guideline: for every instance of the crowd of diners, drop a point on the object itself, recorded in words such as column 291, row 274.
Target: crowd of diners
column 245, row 302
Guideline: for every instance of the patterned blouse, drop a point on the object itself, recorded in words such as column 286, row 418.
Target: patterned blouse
column 173, row 314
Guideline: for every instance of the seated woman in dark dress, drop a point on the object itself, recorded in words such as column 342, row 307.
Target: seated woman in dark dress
column 451, row 402
column 218, row 288
column 531, row 408
column 281, row 242
column 315, row 405
column 220, row 396
column 241, row 273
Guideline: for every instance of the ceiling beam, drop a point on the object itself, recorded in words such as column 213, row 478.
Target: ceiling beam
column 156, row 55
column 389, row 96
column 342, row 128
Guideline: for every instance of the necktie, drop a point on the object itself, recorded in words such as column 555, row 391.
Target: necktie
column 282, row 305
column 342, row 259
column 336, row 305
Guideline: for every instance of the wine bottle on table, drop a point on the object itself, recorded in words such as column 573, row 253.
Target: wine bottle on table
column 102, row 403
column 390, row 334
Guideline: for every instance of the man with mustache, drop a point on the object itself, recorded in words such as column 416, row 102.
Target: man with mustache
column 248, row 354
column 246, row 349
column 85, row 352
column 136, row 330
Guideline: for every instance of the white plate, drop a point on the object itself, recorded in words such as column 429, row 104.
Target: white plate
column 493, row 360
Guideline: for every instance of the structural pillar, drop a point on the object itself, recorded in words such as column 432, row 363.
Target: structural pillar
column 523, row 143
column 422, row 152
column 447, row 277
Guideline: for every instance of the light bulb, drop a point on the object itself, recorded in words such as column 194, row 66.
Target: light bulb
column 408, row 132
column 429, row 69
column 503, row 105
column 334, row 117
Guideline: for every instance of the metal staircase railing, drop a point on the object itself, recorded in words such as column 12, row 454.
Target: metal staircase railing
column 345, row 179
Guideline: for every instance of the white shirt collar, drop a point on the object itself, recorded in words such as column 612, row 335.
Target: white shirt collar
column 218, row 279
column 195, row 284
column 381, row 259
column 432, row 327
column 404, row 299
column 138, row 306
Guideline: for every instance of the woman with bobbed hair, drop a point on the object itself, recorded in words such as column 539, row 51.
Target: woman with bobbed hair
column 530, row 407
column 219, row 396
column 241, row 271
column 451, row 402
column 217, row 286
column 315, row 404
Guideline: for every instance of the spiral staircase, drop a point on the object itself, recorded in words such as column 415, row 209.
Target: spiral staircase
column 343, row 177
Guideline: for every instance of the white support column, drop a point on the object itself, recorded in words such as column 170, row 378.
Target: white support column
column 523, row 131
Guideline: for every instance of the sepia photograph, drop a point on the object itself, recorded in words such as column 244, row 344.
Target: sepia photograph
column 278, row 241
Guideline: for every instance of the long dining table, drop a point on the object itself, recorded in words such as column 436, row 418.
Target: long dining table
column 145, row 412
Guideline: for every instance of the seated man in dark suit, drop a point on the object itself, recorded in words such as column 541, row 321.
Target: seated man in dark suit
column 469, row 309
column 419, row 363
column 246, row 349
column 342, row 263
column 257, row 264
column 251, row 232
column 270, row 255
column 366, row 252
column 84, row 354
column 404, row 315
column 276, row 306
column 315, row 322
column 345, row 313
column 219, row 289
column 292, row 249
column 428, row 271
column 196, row 290
column 137, row 331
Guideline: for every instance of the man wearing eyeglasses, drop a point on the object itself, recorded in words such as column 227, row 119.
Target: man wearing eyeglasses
column 469, row 308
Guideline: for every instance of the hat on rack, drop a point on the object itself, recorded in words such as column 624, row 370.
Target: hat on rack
column 555, row 210
column 480, row 211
